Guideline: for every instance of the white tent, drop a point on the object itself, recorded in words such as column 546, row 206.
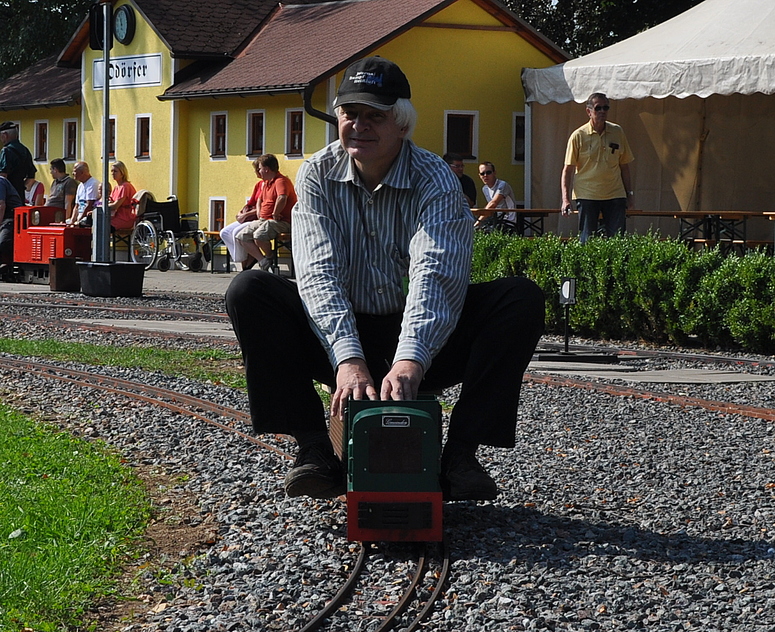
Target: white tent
column 694, row 96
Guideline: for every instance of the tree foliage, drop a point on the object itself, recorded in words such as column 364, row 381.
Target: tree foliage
column 584, row 26
column 34, row 29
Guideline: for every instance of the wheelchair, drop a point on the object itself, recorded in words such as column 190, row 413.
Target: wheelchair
column 165, row 237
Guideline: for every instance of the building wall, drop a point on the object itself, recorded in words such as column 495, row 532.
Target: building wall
column 54, row 117
column 462, row 60
column 126, row 103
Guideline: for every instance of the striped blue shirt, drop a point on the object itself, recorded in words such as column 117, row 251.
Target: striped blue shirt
column 354, row 249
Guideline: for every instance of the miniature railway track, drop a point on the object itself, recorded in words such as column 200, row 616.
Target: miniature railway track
column 94, row 306
column 392, row 619
column 234, row 421
column 671, row 398
column 210, row 413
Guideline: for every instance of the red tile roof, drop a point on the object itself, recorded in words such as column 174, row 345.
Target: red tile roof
column 41, row 85
column 302, row 43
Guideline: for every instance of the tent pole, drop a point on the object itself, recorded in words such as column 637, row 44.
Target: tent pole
column 700, row 157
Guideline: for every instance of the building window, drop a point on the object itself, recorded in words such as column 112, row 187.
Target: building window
column 294, row 133
column 461, row 134
column 217, row 214
column 111, row 138
column 41, row 141
column 218, row 126
column 255, row 133
column 70, row 141
column 143, row 137
column 518, row 138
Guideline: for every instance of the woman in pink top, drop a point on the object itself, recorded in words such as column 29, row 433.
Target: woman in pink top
column 122, row 215
column 33, row 192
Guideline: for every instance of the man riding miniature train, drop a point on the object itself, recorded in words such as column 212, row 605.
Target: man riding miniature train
column 375, row 215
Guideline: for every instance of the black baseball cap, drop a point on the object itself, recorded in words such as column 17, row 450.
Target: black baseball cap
column 373, row 81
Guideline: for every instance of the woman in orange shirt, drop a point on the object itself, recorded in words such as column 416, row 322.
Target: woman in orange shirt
column 122, row 215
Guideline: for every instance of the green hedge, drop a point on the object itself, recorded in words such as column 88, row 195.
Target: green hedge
column 643, row 287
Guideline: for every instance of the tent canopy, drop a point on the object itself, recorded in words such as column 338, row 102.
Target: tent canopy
column 717, row 47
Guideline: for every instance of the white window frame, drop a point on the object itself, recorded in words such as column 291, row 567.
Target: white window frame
column 211, row 212
column 138, row 157
column 474, row 133
column 288, row 155
column 65, row 123
column 514, row 117
column 213, row 116
column 35, row 157
column 249, row 135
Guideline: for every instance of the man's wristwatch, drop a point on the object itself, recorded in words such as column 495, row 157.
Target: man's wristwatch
column 630, row 193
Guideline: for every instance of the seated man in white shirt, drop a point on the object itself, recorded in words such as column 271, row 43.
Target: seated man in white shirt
column 86, row 196
column 499, row 195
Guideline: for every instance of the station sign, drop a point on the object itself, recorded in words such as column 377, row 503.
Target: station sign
column 132, row 71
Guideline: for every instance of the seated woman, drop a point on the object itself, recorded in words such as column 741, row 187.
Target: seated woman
column 122, row 215
column 33, row 192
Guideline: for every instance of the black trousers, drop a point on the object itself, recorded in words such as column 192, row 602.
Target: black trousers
column 488, row 353
column 6, row 240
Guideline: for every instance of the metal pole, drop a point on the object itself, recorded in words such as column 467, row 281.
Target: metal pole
column 101, row 229
column 567, row 331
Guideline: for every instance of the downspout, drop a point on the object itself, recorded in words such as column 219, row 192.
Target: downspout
column 323, row 116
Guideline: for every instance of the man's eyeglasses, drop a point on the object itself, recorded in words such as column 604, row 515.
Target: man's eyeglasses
column 605, row 108
column 489, row 172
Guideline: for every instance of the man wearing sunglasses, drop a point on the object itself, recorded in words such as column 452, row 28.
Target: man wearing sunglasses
column 597, row 172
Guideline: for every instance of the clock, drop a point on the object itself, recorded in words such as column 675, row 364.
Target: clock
column 124, row 23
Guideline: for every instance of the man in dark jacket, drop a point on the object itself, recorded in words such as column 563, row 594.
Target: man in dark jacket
column 9, row 200
column 15, row 159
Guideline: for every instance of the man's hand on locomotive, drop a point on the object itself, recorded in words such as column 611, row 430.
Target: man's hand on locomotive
column 403, row 381
column 353, row 379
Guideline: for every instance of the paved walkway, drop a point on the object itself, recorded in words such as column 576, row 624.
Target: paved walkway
column 153, row 282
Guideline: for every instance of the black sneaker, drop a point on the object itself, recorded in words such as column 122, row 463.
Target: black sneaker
column 317, row 473
column 463, row 477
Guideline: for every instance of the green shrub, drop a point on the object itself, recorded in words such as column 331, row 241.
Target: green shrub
column 640, row 286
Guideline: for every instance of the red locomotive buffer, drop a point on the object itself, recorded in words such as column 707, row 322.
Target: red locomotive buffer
column 40, row 234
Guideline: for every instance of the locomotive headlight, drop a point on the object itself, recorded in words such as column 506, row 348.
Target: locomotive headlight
column 68, row 252
column 35, row 218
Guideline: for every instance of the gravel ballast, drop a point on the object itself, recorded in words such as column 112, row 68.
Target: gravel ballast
column 614, row 514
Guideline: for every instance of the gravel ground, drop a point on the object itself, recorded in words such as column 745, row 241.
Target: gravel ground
column 614, row 514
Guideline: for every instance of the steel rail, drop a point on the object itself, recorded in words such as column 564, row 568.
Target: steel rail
column 768, row 414
column 176, row 402
column 343, row 593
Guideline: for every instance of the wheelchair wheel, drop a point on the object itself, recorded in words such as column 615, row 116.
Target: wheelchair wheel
column 144, row 244
column 164, row 263
column 195, row 262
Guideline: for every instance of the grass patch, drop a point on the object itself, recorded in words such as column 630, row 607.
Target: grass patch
column 68, row 513
column 205, row 365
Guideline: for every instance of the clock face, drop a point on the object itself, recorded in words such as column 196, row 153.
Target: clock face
column 124, row 24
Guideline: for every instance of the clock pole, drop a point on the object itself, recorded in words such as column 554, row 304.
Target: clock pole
column 101, row 234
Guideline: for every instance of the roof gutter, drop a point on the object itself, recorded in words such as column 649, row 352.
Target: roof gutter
column 7, row 107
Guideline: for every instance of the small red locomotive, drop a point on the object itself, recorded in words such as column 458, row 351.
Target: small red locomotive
column 40, row 234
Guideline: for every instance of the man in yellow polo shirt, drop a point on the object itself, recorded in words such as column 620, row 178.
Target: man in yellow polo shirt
column 599, row 157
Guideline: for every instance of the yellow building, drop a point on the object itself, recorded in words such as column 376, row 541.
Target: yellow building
column 196, row 95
